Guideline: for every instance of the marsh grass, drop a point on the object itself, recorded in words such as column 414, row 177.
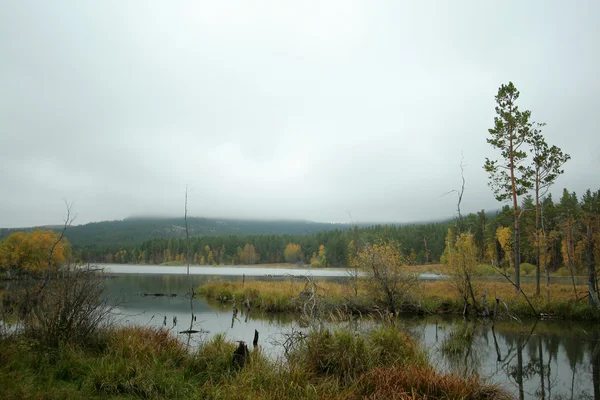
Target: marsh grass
column 273, row 296
column 418, row 382
column 458, row 340
column 147, row 363
column 432, row 297
column 345, row 355
column 439, row 297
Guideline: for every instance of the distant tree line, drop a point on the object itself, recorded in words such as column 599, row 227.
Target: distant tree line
column 565, row 225
column 422, row 244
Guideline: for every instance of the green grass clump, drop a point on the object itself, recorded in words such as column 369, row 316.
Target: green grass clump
column 212, row 362
column 526, row 269
column 265, row 296
column 459, row 340
column 345, row 355
column 138, row 362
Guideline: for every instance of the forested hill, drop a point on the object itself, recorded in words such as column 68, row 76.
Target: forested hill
column 568, row 233
column 134, row 231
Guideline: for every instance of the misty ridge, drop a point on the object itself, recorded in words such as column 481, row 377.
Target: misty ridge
column 137, row 229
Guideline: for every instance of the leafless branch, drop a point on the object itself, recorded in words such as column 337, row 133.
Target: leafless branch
column 519, row 289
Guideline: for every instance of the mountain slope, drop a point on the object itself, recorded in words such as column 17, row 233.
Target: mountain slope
column 133, row 231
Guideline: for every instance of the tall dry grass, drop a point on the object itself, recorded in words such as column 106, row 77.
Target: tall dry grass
column 418, row 382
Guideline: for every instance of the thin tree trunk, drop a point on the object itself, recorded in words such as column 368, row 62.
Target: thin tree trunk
column 191, row 288
column 548, row 375
column 537, row 234
column 570, row 257
column 592, row 297
column 541, row 361
column 546, row 266
column 517, row 255
column 470, row 286
column 516, row 215
column 595, row 361
column 574, row 285
column 519, row 371
column 483, row 237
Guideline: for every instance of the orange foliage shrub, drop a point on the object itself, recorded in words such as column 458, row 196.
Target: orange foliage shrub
column 30, row 252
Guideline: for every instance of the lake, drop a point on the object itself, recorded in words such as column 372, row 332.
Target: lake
column 536, row 359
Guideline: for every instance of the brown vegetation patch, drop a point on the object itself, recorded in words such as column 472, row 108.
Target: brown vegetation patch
column 416, row 382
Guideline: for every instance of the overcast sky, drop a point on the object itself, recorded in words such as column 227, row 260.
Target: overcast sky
column 306, row 109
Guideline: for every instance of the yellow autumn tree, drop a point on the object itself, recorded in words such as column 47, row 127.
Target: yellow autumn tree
column 382, row 265
column 292, row 253
column 248, row 254
column 504, row 237
column 30, row 252
column 461, row 259
column 319, row 260
column 121, row 256
column 210, row 258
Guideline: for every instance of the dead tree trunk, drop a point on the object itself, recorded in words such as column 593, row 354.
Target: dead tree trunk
column 241, row 355
column 593, row 297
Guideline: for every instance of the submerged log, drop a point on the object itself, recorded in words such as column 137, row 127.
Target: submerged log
column 190, row 331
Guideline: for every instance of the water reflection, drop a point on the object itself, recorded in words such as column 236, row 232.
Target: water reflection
column 534, row 360
column 173, row 312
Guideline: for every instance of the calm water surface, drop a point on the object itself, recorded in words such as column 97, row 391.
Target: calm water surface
column 534, row 360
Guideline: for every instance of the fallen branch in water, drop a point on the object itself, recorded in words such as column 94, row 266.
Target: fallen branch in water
column 144, row 294
column 189, row 331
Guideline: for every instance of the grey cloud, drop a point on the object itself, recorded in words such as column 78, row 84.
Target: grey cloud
column 280, row 109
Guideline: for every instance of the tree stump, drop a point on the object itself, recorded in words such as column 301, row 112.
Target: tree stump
column 241, row 355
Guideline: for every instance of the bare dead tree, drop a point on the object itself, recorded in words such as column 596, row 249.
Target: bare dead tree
column 426, row 256
column 67, row 223
column 353, row 271
column 37, row 296
column 68, row 220
column 459, row 194
column 464, row 264
column 191, row 293
column 309, row 307
column 187, row 244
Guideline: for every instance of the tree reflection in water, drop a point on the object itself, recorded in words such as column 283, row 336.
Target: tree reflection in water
column 535, row 360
